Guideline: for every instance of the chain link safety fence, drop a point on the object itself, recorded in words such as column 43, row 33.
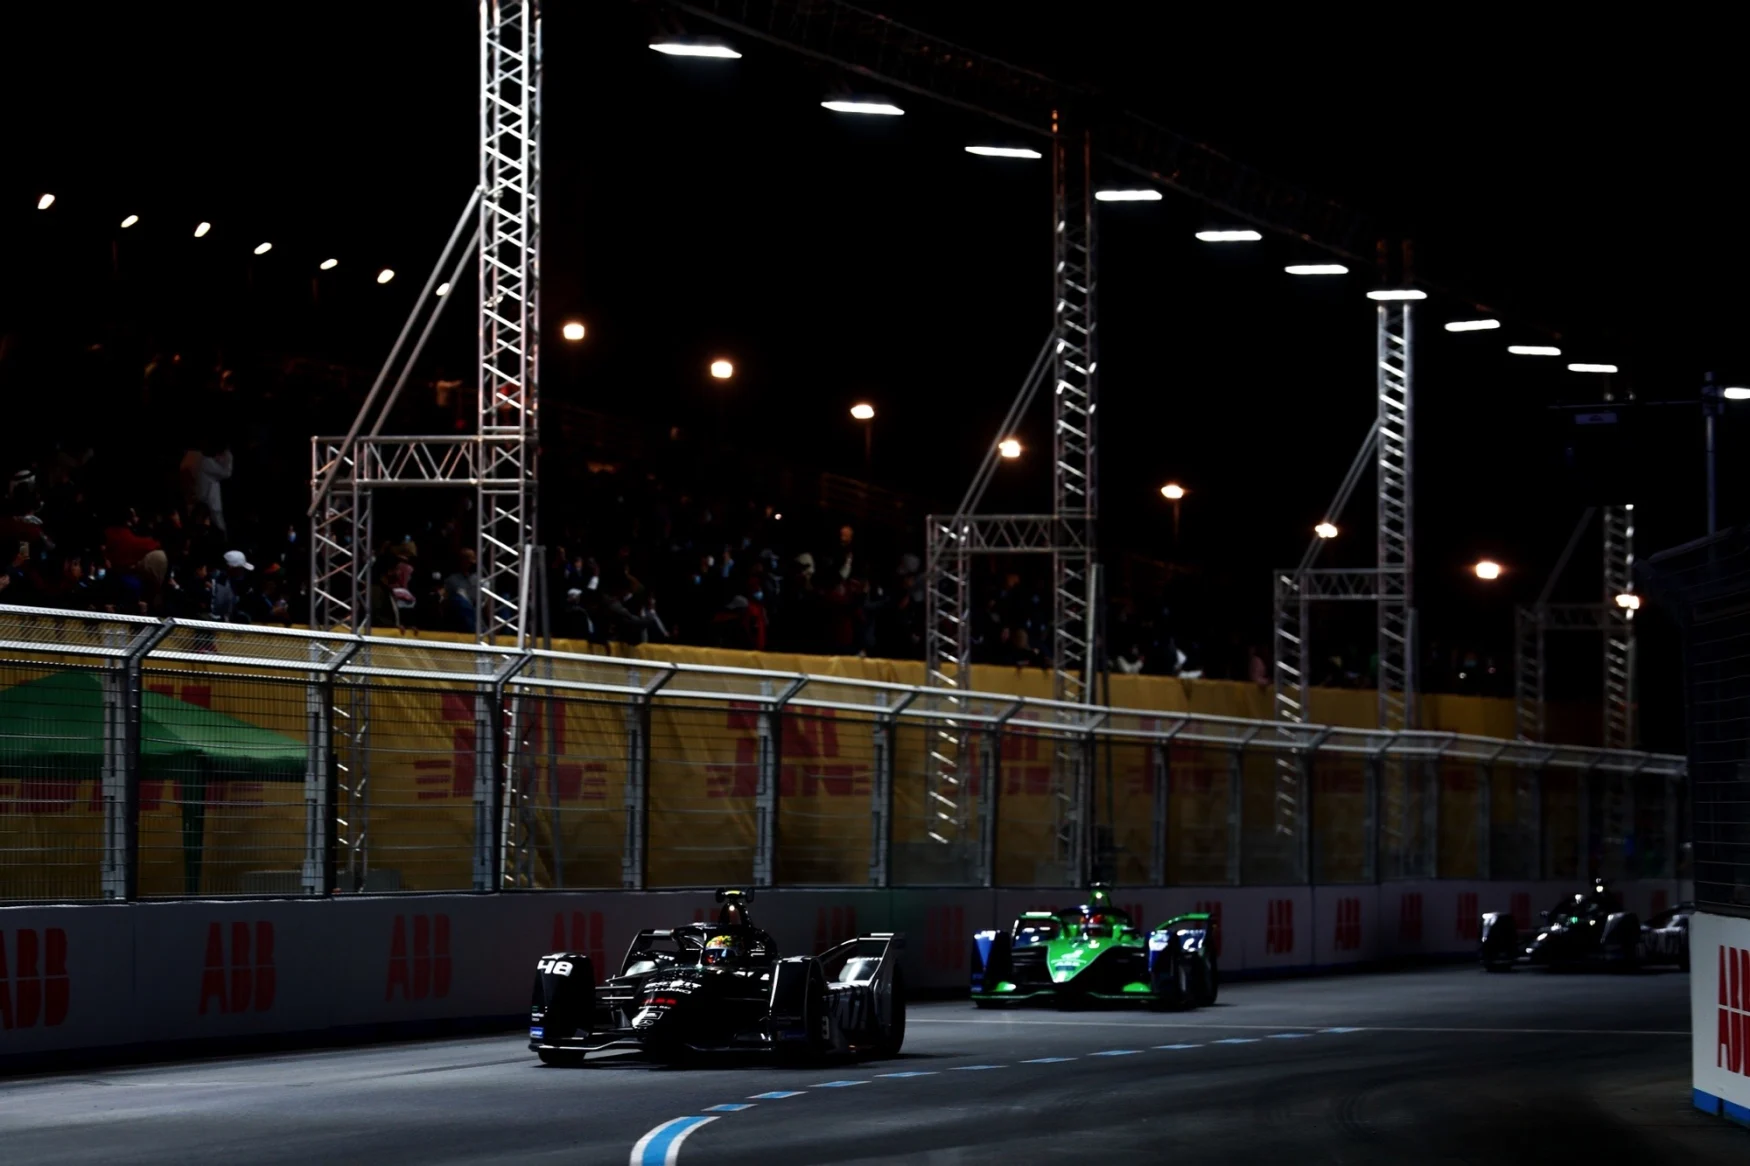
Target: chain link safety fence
column 1707, row 585
column 141, row 759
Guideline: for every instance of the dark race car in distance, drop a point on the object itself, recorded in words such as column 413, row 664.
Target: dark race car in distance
column 1587, row 928
column 722, row 987
column 1665, row 937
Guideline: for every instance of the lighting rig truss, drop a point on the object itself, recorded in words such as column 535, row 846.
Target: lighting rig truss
column 1389, row 584
column 1613, row 615
column 498, row 461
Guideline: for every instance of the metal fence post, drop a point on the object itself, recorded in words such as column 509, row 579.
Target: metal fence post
column 1374, row 781
column 492, row 784
column 881, row 790
column 120, row 872
column 1236, row 807
column 1163, row 787
column 1541, row 865
column 1583, row 842
column 771, row 758
column 634, row 850
column 320, row 803
column 990, row 781
column 1308, row 853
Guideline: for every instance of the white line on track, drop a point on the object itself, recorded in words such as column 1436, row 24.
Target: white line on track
column 1310, row 1027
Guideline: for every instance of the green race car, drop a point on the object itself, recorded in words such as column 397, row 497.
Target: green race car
column 1096, row 952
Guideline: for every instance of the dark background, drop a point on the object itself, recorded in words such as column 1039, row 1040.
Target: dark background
column 1572, row 174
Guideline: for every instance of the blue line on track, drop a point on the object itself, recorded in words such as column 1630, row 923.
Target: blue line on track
column 1196, row 1046
column 973, row 1068
column 1047, row 1060
column 1236, row 1040
column 1116, row 1053
column 777, row 1095
column 1340, row 1030
column 912, row 1073
column 1288, row 1035
column 839, row 1084
column 729, row 1107
column 662, row 1145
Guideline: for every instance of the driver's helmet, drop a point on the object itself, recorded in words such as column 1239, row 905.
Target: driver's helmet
column 721, row 949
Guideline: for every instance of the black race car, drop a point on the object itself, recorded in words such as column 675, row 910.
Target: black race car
column 722, row 987
column 1586, row 928
column 1665, row 937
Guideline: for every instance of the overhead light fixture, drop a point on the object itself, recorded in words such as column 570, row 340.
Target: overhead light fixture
column 1172, row 491
column 1316, row 269
column 1009, row 448
column 1736, row 393
column 1488, row 569
column 1472, row 325
column 1629, row 601
column 573, row 330
column 444, row 288
column 1326, row 529
column 1144, row 195
column 681, row 47
column 200, row 231
column 1003, row 152
column 329, row 264
column 385, row 275
column 722, row 369
column 130, row 221
column 863, row 105
column 1591, row 368
column 263, row 248
column 1533, row 350
column 45, row 202
column 1396, row 294
column 1229, row 236
column 863, row 411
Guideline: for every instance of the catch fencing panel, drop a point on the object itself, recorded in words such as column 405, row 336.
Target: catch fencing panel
column 1125, row 793
column 1561, row 824
column 1202, row 814
column 1270, row 841
column 928, row 850
column 1513, row 821
column 1028, row 850
column 1706, row 586
column 573, row 763
column 1341, row 789
column 826, row 780
column 704, row 781
column 1458, row 838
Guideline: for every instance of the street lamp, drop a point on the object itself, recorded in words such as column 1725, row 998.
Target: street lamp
column 1174, row 493
column 130, row 221
column 45, row 202
column 328, row 264
column 864, row 412
column 707, row 47
column 1316, row 269
column 201, row 229
column 1009, row 448
column 1246, row 236
column 385, row 275
column 1629, row 601
column 867, row 106
column 1326, row 529
column 1534, row 350
column 1487, row 570
column 263, row 248
column 1144, row 195
column 722, row 370
column 1472, row 325
column 1004, row 152
column 572, row 331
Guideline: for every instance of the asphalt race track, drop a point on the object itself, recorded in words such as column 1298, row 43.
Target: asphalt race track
column 1447, row 1065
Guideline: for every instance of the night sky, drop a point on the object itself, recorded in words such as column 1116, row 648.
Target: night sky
column 1574, row 174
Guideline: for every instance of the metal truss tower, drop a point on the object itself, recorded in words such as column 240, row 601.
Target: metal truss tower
column 497, row 462
column 1611, row 616
column 1390, row 447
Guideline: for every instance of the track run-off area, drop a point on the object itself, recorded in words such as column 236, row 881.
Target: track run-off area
column 1436, row 1065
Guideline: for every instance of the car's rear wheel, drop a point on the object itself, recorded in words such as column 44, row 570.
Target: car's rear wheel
column 562, row 1058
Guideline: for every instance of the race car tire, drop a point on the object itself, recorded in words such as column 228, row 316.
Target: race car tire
column 562, row 1058
column 1205, row 984
column 894, row 1038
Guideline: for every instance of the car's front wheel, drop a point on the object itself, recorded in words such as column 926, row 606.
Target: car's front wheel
column 894, row 1038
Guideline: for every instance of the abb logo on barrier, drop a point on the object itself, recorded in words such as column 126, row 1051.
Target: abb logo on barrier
column 1520, row 906
column 419, row 968
column 946, row 938
column 586, row 937
column 1410, row 918
column 1732, row 1043
column 1347, row 936
column 1279, row 927
column 34, row 985
column 1211, row 908
column 239, row 977
column 832, row 926
column 1469, row 922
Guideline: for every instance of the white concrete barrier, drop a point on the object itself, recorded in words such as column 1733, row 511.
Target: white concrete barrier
column 150, row 975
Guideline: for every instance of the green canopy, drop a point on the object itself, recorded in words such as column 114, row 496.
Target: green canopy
column 51, row 729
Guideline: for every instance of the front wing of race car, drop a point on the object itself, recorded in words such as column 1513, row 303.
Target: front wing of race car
column 848, row 1000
